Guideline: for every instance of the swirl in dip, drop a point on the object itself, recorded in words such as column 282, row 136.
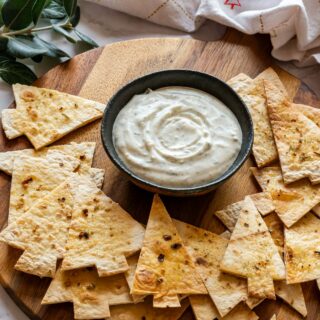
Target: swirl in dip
column 177, row 136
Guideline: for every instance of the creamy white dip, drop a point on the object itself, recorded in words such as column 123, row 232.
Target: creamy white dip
column 177, row 136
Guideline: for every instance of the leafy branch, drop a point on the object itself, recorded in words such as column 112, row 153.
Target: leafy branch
column 21, row 22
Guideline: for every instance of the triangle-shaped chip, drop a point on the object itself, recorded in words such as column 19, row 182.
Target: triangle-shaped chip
column 253, row 94
column 291, row 201
column 207, row 250
column 46, row 115
column 101, row 233
column 165, row 269
column 302, row 250
column 251, row 253
column 296, row 135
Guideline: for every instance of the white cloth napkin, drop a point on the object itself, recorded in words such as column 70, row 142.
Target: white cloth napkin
column 294, row 25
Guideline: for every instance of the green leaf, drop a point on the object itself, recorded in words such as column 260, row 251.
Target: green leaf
column 52, row 50
column 86, row 39
column 15, row 72
column 1, row 5
column 54, row 10
column 74, row 20
column 17, row 14
column 24, row 47
column 70, row 7
column 67, row 34
column 37, row 10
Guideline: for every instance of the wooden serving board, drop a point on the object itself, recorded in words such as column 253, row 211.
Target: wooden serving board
column 96, row 75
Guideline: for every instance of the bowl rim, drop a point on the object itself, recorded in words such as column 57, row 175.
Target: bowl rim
column 174, row 190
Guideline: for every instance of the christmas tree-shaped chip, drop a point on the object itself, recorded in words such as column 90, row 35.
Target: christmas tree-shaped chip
column 165, row 268
column 101, row 233
column 251, row 253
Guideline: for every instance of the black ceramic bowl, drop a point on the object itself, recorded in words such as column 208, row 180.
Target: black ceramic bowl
column 187, row 78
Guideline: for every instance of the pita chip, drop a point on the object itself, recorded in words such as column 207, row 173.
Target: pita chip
column 229, row 215
column 316, row 210
column 164, row 262
column 251, row 253
column 252, row 302
column 291, row 201
column 97, row 176
column 293, row 295
column 46, row 115
column 203, row 307
column 42, row 232
column 129, row 274
column 276, row 229
column 145, row 311
column 9, row 125
column 101, row 233
column 297, row 138
column 302, row 250
column 90, row 294
column 207, row 250
column 34, row 178
column 253, row 94
column 270, row 75
column 241, row 83
column 83, row 151
column 240, row 312
column 225, row 234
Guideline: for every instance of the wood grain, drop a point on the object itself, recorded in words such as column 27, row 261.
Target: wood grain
column 96, row 75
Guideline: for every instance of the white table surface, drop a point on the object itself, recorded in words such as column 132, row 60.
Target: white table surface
column 104, row 26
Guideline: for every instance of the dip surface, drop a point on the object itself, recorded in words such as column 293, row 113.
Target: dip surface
column 177, row 136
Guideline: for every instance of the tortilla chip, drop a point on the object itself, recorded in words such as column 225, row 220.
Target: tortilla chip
column 164, row 261
column 253, row 94
column 101, row 233
column 292, row 201
column 207, row 250
column 251, row 253
column 274, row 317
column 276, row 229
column 297, row 138
column 293, row 295
column 230, row 214
column 203, row 308
column 302, row 250
column 42, row 232
column 145, row 311
column 91, row 295
column 83, row 151
column 45, row 115
column 34, row 178
column 9, row 125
